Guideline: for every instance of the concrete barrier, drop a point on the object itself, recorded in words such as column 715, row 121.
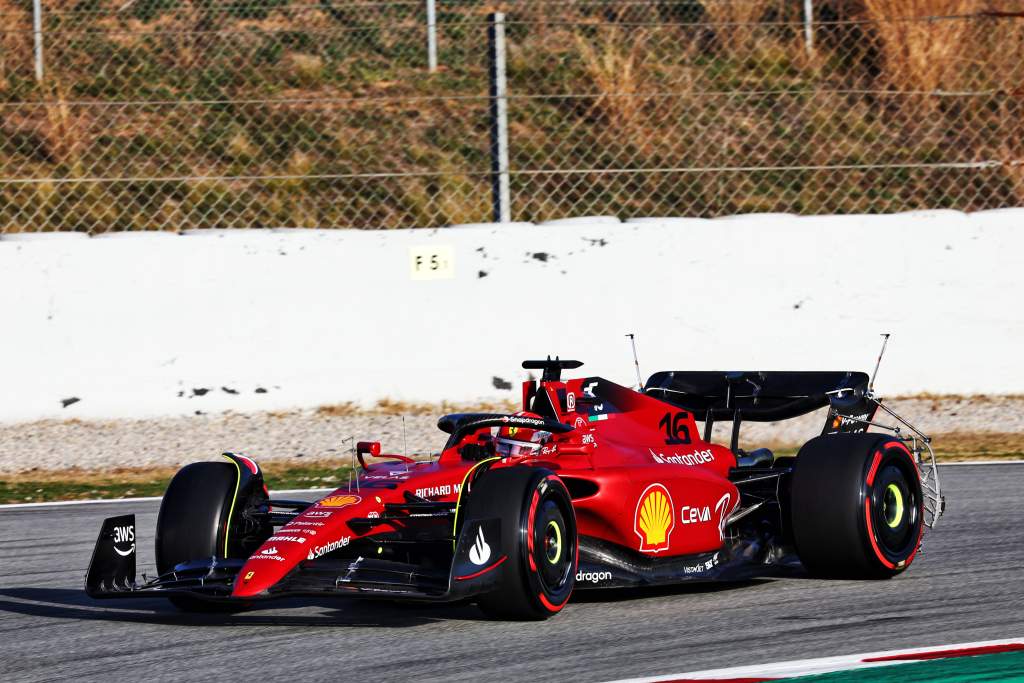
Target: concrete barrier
column 150, row 324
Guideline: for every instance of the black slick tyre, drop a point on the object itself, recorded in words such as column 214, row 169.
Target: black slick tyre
column 193, row 521
column 856, row 506
column 538, row 520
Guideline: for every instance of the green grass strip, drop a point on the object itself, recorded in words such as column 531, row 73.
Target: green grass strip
column 141, row 484
column 1004, row 666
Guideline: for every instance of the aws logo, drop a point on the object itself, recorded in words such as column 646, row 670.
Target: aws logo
column 654, row 519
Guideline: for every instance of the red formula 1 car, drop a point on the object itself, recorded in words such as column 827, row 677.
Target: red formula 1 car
column 593, row 485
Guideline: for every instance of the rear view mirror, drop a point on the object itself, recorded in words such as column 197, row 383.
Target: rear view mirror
column 368, row 448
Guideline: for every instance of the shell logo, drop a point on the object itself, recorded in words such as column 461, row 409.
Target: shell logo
column 338, row 501
column 654, row 519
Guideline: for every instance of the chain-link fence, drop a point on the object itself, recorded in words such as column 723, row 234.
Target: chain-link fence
column 178, row 114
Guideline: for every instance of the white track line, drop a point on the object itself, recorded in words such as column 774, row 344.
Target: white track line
column 97, row 501
column 808, row 667
column 963, row 463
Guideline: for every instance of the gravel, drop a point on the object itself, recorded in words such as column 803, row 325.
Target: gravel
column 174, row 441
column 307, row 436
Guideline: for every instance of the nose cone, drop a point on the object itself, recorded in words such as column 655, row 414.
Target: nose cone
column 316, row 532
column 267, row 566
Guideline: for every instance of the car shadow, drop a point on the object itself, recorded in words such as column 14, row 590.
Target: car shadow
column 599, row 595
column 66, row 603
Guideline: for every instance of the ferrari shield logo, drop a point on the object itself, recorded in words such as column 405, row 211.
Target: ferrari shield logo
column 654, row 519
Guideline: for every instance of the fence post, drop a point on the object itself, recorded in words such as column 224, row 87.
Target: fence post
column 431, row 36
column 499, row 118
column 809, row 26
column 37, row 35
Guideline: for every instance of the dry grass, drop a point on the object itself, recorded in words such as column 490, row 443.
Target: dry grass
column 972, row 398
column 949, row 446
column 391, row 407
column 14, row 46
column 306, row 70
column 130, row 475
column 80, row 484
column 63, row 131
column 612, row 54
column 960, row 446
column 612, row 64
column 1014, row 169
column 736, row 20
column 922, row 55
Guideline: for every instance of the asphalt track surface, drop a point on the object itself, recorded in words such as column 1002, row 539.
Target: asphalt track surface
column 967, row 586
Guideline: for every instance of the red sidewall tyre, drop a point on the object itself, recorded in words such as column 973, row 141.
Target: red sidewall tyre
column 539, row 523
column 856, row 506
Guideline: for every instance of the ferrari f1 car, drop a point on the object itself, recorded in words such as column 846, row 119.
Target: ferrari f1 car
column 593, row 485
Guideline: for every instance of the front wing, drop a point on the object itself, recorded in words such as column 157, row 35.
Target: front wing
column 112, row 572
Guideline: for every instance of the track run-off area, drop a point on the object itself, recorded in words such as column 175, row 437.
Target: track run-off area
column 966, row 586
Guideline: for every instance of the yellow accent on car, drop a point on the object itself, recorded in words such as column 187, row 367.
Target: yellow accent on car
column 558, row 542
column 458, row 499
column 231, row 511
column 898, row 498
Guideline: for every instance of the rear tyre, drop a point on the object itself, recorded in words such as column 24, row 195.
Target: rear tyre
column 538, row 519
column 856, row 506
column 193, row 521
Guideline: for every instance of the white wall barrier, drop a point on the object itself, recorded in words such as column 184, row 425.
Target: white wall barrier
column 151, row 324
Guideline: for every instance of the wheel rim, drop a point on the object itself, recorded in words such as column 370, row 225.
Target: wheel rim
column 551, row 552
column 553, row 542
column 892, row 506
column 895, row 503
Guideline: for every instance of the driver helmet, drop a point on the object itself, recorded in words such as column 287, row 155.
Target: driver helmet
column 514, row 441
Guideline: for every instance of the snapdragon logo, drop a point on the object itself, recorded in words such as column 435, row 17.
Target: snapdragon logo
column 592, row 577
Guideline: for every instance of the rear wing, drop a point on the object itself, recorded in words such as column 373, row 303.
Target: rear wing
column 764, row 396
column 768, row 396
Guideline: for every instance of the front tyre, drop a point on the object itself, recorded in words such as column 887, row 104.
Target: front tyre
column 537, row 517
column 857, row 506
column 200, row 518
